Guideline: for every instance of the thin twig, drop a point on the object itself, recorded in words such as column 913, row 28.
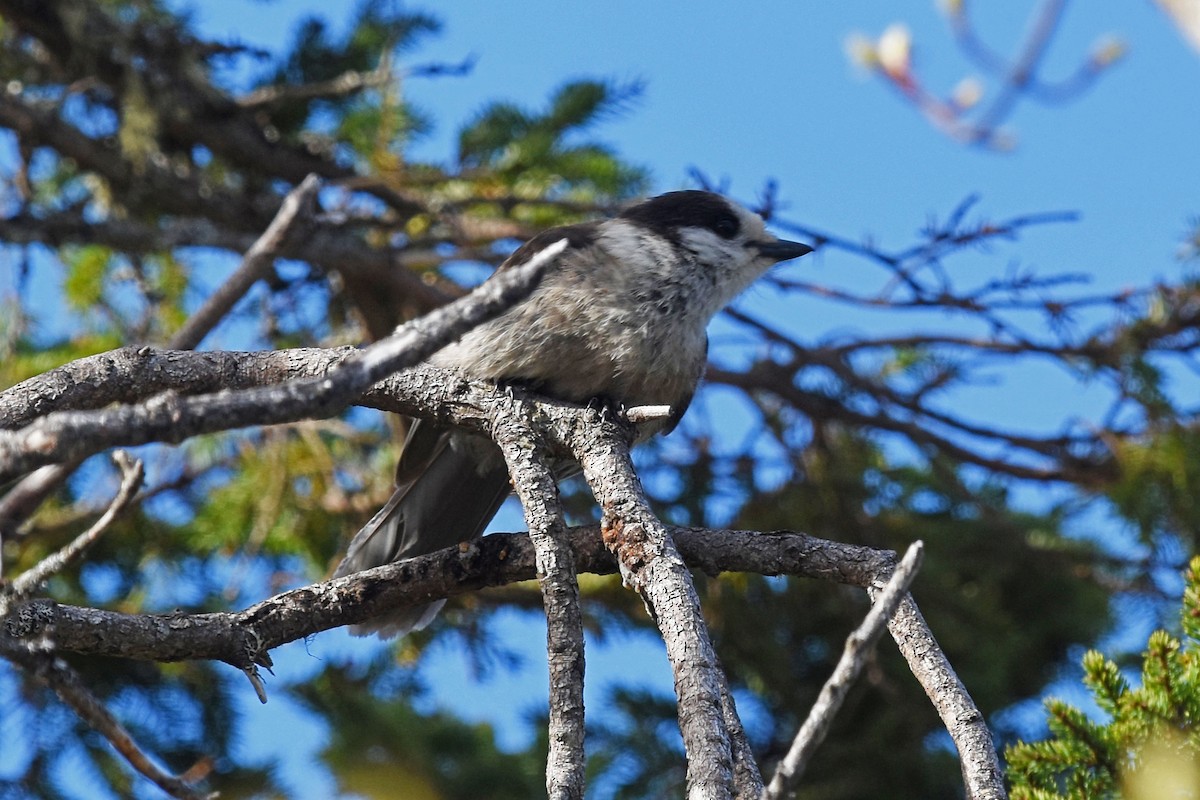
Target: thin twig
column 70, row 688
column 348, row 83
column 859, row 646
column 19, row 502
column 32, row 579
column 256, row 263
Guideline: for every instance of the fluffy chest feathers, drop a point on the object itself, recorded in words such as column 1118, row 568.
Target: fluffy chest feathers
column 620, row 325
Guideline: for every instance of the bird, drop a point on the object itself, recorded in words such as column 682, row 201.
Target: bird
column 619, row 318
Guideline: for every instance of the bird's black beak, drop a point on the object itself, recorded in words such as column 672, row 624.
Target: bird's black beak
column 782, row 249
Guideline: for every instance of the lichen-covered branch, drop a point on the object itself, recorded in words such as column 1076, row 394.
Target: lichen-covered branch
column 982, row 775
column 533, row 480
column 244, row 638
column 652, row 566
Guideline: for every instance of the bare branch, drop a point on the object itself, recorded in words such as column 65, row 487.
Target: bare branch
column 244, row 638
column 938, row 243
column 320, row 243
column 169, row 418
column 652, row 566
column 825, row 408
column 961, row 115
column 255, row 265
column 516, row 434
column 30, row 581
column 859, row 646
column 982, row 775
column 1046, row 20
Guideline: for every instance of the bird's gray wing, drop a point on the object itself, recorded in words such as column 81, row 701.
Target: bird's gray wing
column 681, row 406
column 449, row 486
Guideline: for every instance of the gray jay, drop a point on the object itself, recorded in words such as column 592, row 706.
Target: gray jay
column 621, row 317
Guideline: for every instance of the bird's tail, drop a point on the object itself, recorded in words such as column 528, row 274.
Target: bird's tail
column 449, row 486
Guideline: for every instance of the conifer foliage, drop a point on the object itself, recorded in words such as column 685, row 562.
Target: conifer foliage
column 1149, row 746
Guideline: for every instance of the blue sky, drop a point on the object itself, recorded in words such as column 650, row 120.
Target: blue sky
column 752, row 91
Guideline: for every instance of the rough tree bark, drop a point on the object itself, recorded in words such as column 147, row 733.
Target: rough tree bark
column 645, row 548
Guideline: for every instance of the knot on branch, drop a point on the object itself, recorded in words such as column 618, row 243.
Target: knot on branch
column 254, row 650
column 627, row 541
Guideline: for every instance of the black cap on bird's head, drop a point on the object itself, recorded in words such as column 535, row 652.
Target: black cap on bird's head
column 668, row 214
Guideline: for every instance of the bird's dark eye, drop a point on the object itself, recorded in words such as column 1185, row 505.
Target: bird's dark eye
column 726, row 227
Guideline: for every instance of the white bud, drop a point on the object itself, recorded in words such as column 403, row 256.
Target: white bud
column 895, row 49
